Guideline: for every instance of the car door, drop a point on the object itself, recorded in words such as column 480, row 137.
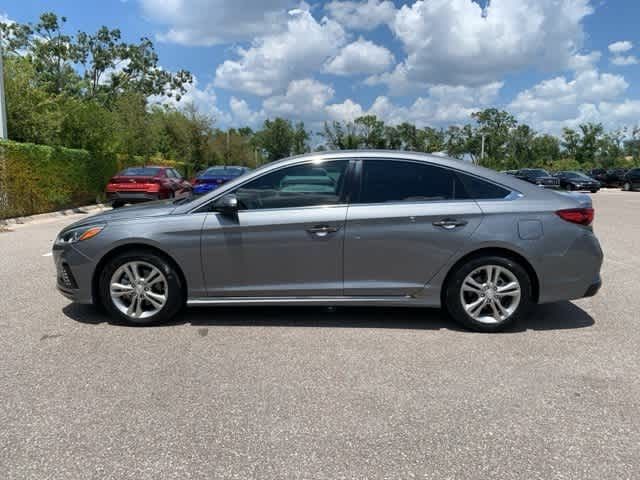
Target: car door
column 404, row 224
column 287, row 238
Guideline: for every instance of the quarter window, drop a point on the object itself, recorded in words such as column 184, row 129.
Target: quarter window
column 397, row 181
column 481, row 189
column 310, row 184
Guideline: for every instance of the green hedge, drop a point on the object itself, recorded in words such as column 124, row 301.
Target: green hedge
column 39, row 178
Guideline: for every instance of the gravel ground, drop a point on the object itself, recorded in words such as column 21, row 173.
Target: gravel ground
column 314, row 393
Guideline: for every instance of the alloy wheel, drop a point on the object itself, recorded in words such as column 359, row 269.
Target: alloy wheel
column 138, row 289
column 490, row 294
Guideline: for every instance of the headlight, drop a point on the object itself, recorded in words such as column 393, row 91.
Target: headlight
column 78, row 234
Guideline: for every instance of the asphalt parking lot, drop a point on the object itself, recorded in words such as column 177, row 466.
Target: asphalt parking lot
column 318, row 394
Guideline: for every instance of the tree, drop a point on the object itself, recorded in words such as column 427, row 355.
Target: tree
column 300, row 140
column 371, row 131
column 496, row 125
column 276, row 139
column 339, row 136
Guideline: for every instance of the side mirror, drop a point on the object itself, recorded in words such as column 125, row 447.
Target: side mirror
column 227, row 205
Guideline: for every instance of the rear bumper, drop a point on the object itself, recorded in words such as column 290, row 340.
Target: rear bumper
column 133, row 197
column 573, row 274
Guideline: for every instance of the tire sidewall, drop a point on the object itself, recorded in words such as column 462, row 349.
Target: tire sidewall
column 175, row 298
column 454, row 284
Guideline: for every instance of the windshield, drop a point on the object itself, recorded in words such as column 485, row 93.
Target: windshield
column 577, row 175
column 229, row 171
column 140, row 172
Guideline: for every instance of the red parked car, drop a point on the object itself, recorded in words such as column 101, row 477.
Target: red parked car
column 141, row 184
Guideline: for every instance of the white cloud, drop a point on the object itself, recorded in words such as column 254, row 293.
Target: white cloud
column 273, row 61
column 587, row 61
column 242, row 115
column 620, row 47
column 558, row 102
column 360, row 57
column 205, row 100
column 362, row 15
column 623, row 61
column 449, row 41
column 209, row 22
column 346, row 111
column 304, row 99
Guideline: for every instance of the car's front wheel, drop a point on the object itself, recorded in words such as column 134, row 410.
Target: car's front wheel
column 488, row 293
column 141, row 288
column 626, row 186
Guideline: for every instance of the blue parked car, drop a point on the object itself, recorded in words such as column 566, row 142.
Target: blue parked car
column 213, row 177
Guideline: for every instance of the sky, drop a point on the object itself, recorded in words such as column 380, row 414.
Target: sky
column 552, row 63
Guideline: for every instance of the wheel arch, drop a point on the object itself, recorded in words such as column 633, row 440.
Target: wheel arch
column 495, row 251
column 138, row 246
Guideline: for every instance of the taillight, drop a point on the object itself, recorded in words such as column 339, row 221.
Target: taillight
column 581, row 216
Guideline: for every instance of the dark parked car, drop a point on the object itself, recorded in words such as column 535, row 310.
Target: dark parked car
column 213, row 177
column 538, row 176
column 614, row 177
column 510, row 172
column 599, row 174
column 631, row 180
column 142, row 184
column 572, row 180
column 341, row 228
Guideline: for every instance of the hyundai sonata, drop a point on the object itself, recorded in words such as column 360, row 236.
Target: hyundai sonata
column 346, row 228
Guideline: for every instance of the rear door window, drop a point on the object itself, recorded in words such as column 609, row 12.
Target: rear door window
column 385, row 181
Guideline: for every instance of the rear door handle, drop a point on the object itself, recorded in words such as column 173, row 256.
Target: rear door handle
column 449, row 223
column 322, row 230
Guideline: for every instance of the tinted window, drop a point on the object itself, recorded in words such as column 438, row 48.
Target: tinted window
column 298, row 186
column 176, row 174
column 397, row 181
column 535, row 172
column 140, row 172
column 228, row 171
column 480, row 189
column 170, row 173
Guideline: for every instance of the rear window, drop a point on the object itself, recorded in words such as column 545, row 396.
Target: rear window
column 231, row 171
column 140, row 172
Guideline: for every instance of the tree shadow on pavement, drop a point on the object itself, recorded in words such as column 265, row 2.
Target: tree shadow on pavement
column 556, row 316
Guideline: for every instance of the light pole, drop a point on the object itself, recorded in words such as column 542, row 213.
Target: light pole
column 3, row 110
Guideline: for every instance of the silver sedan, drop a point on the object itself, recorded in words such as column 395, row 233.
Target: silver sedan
column 343, row 228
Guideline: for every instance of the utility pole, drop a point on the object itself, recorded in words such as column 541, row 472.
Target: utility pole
column 3, row 110
column 4, row 194
column 482, row 147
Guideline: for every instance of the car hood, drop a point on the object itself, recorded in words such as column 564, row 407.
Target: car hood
column 144, row 210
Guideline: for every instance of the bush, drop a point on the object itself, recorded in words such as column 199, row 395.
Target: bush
column 38, row 178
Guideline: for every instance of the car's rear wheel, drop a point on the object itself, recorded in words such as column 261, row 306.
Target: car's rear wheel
column 117, row 204
column 626, row 187
column 488, row 293
column 141, row 288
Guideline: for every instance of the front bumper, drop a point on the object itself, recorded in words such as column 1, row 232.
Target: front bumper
column 74, row 273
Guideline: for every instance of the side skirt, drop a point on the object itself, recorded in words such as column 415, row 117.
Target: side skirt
column 407, row 301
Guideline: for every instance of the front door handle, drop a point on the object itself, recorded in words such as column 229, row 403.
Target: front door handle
column 449, row 223
column 322, row 230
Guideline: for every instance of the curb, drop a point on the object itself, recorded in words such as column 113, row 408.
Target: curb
column 59, row 213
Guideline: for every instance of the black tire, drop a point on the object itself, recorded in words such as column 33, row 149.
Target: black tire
column 175, row 289
column 594, row 190
column 117, row 204
column 453, row 303
column 626, row 187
